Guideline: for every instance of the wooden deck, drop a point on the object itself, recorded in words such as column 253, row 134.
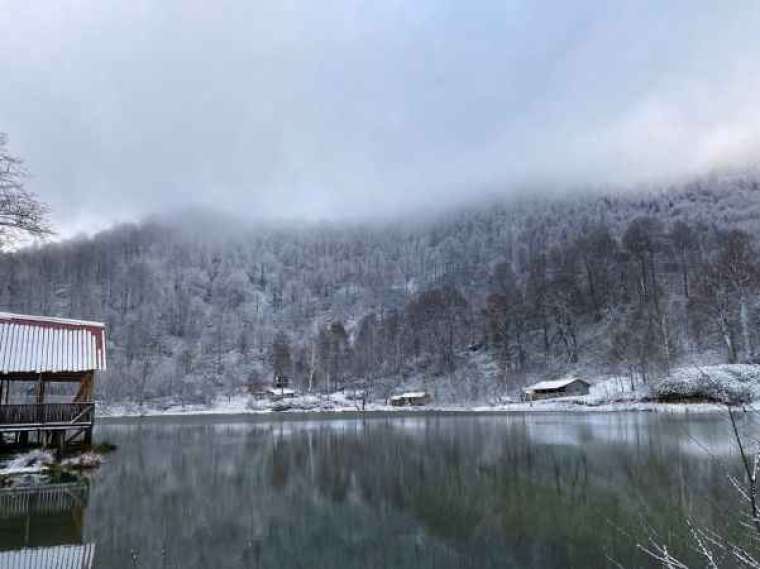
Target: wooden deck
column 46, row 416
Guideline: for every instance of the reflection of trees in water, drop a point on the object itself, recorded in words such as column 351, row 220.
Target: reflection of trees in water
column 459, row 492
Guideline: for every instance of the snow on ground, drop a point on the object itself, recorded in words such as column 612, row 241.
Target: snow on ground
column 39, row 467
column 583, row 405
column 682, row 391
column 244, row 404
column 335, row 404
column 238, row 404
column 31, row 462
column 616, row 389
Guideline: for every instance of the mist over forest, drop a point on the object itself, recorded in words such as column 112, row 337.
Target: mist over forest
column 471, row 304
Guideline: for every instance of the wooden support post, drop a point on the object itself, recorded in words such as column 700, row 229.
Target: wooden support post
column 40, row 390
column 84, row 393
column 60, row 443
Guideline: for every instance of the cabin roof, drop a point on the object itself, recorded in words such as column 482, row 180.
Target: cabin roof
column 410, row 395
column 281, row 391
column 555, row 384
column 40, row 344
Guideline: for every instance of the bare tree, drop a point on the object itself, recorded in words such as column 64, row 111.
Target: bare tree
column 597, row 249
column 685, row 243
column 280, row 356
column 715, row 550
column 21, row 212
column 712, row 297
column 737, row 265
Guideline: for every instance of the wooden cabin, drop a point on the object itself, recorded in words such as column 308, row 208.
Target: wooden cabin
column 277, row 393
column 281, row 382
column 47, row 378
column 279, row 389
column 411, row 399
column 556, row 388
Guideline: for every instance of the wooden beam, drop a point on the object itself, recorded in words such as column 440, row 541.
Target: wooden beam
column 63, row 377
column 84, row 393
column 40, row 390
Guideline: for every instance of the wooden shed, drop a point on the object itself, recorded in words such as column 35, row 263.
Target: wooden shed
column 36, row 352
column 411, row 399
column 556, row 388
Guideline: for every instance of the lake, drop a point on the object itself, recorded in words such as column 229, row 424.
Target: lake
column 420, row 490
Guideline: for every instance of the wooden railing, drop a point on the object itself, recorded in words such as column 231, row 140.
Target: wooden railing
column 47, row 414
column 49, row 499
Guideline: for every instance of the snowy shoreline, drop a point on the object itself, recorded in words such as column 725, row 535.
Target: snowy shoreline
column 685, row 390
column 241, row 406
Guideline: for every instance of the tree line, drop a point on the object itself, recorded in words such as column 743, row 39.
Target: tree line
column 191, row 316
column 472, row 304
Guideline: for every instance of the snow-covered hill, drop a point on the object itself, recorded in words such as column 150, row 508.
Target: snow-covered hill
column 472, row 304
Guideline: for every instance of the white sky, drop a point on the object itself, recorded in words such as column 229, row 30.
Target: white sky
column 337, row 109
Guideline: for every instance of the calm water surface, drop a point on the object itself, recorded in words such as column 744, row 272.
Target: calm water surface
column 519, row 491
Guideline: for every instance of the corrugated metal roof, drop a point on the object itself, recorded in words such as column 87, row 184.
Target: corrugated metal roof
column 37, row 344
column 555, row 384
column 409, row 395
column 63, row 556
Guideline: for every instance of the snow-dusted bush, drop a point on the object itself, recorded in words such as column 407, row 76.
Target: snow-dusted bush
column 735, row 383
column 84, row 461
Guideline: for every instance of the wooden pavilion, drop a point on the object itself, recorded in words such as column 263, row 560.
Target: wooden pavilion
column 40, row 359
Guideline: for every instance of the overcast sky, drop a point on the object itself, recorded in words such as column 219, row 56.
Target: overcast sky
column 328, row 109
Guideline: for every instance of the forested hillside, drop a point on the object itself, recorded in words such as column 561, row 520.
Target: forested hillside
column 471, row 304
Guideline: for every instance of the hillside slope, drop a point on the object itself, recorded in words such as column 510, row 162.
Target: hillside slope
column 477, row 301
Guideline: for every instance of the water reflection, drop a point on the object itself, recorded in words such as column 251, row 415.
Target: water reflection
column 422, row 491
column 42, row 526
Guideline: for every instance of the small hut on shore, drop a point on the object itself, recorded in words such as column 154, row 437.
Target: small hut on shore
column 556, row 388
column 411, row 399
column 42, row 359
